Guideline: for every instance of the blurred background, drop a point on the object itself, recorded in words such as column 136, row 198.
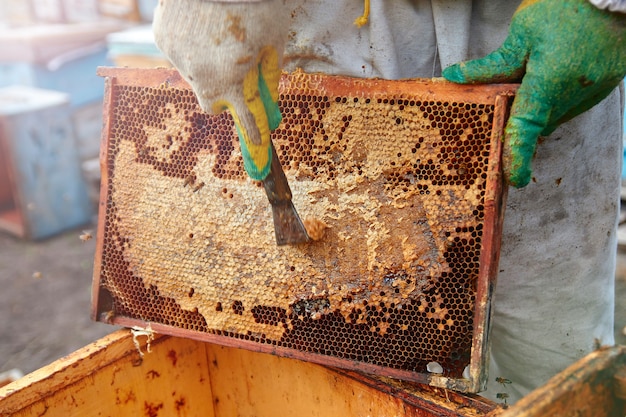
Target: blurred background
column 50, row 126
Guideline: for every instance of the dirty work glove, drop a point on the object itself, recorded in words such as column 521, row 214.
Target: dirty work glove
column 231, row 55
column 568, row 54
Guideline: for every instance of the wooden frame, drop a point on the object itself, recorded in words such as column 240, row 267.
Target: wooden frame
column 115, row 302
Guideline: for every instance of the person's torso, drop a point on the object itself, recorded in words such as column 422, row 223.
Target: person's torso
column 401, row 39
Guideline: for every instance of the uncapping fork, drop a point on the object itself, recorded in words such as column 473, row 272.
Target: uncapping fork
column 288, row 227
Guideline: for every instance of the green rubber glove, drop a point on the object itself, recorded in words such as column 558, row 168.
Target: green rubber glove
column 568, row 54
column 231, row 55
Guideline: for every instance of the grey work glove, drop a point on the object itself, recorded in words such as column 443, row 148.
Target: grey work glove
column 231, row 55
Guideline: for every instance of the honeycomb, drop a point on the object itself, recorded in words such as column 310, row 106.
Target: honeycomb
column 402, row 174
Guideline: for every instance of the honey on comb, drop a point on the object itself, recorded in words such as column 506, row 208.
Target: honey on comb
column 315, row 228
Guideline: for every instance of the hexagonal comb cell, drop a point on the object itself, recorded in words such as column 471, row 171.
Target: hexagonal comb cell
column 401, row 180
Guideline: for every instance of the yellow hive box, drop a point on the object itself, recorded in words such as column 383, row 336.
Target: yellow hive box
column 120, row 375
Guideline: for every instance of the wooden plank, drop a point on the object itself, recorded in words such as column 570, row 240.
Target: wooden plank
column 109, row 377
column 437, row 88
column 101, row 303
column 585, row 389
column 253, row 384
column 495, row 201
column 246, row 383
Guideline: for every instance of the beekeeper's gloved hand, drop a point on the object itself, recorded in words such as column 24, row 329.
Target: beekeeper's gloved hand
column 231, row 55
column 568, row 54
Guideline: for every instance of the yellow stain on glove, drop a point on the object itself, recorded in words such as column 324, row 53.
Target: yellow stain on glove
column 260, row 91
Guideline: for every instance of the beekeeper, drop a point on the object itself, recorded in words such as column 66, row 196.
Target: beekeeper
column 555, row 293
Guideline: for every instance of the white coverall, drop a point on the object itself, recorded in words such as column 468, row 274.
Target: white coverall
column 555, row 293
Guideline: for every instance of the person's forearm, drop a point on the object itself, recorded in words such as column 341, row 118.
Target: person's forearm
column 612, row 5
